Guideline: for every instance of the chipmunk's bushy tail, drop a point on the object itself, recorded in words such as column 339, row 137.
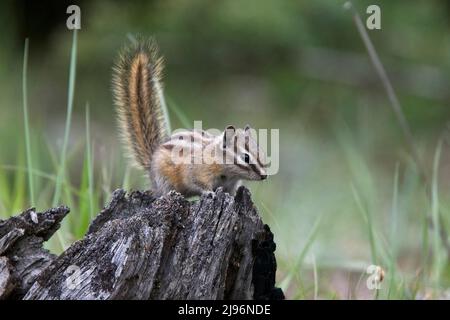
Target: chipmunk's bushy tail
column 137, row 91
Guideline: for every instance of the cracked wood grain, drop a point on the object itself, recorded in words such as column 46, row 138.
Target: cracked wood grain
column 142, row 247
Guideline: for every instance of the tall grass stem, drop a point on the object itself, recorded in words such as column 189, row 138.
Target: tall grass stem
column 27, row 124
column 90, row 164
column 70, row 97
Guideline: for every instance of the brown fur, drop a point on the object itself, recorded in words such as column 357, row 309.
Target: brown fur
column 137, row 103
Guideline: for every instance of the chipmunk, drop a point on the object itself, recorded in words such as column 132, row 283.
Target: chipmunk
column 191, row 162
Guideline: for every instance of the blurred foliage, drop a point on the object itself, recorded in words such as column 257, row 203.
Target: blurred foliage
column 299, row 66
column 218, row 52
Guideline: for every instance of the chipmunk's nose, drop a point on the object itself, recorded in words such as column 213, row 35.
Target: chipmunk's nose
column 263, row 176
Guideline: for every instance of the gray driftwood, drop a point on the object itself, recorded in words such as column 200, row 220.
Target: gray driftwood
column 140, row 247
column 22, row 258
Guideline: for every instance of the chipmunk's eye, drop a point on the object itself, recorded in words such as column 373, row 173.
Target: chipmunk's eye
column 246, row 158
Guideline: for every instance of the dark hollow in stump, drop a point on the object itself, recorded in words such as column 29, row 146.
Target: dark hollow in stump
column 142, row 247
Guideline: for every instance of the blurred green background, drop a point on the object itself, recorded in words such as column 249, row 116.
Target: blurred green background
column 348, row 193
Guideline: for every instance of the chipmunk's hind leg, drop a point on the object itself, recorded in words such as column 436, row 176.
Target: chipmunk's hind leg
column 161, row 185
column 231, row 186
column 198, row 188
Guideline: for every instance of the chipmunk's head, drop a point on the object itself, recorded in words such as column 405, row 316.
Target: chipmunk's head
column 244, row 158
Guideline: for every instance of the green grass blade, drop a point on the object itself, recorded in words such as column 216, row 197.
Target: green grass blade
column 309, row 241
column 393, row 235
column 437, row 250
column 126, row 178
column 84, row 208
column 62, row 167
column 165, row 111
column 394, row 213
column 5, row 193
column 367, row 218
column 36, row 172
column 27, row 124
column 18, row 193
column 90, row 169
column 182, row 117
column 315, row 277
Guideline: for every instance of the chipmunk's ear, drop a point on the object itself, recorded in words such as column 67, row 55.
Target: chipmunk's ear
column 228, row 135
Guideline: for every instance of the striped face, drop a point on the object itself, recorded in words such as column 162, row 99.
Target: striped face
column 243, row 157
column 236, row 151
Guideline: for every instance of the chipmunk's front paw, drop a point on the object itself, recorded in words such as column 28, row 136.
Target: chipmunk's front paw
column 208, row 194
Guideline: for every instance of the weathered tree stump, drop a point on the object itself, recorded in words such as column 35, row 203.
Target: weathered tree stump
column 142, row 247
column 22, row 258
